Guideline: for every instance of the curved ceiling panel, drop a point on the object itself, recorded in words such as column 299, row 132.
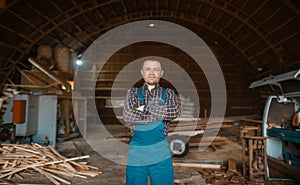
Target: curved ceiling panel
column 250, row 34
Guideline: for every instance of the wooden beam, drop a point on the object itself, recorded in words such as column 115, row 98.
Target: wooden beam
column 2, row 3
column 205, row 165
column 284, row 168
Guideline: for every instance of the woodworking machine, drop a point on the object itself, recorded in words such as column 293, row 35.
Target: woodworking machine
column 281, row 118
column 33, row 118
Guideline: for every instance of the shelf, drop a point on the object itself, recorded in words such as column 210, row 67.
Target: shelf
column 284, row 134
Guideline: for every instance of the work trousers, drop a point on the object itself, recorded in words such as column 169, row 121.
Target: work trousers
column 149, row 156
column 160, row 174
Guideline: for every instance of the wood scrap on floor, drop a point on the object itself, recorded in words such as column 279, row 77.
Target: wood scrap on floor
column 231, row 166
column 16, row 159
column 221, row 175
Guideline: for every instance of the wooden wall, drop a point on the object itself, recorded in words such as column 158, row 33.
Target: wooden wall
column 240, row 99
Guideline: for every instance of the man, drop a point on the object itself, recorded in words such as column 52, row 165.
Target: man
column 149, row 110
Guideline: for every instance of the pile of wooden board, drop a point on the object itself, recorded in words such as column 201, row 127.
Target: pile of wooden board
column 212, row 172
column 222, row 177
column 16, row 159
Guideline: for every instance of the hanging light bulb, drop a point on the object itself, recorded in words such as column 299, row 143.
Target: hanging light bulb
column 79, row 61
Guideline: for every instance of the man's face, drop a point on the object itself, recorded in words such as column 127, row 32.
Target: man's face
column 152, row 72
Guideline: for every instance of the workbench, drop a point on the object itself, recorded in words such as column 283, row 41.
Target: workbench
column 285, row 134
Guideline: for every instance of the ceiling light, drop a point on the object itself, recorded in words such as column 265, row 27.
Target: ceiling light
column 151, row 25
column 79, row 62
column 259, row 69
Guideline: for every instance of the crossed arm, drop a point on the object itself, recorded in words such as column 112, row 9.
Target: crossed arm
column 152, row 112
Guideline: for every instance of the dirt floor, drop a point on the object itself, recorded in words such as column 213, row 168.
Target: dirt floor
column 114, row 174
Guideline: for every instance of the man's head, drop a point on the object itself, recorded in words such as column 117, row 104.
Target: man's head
column 152, row 71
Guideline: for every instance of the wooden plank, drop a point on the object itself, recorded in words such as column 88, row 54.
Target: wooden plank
column 250, row 152
column 52, row 179
column 21, row 169
column 251, row 120
column 235, row 179
column 59, row 172
column 284, row 168
column 26, row 150
column 60, row 179
column 231, row 165
column 45, row 160
column 196, row 144
column 197, row 165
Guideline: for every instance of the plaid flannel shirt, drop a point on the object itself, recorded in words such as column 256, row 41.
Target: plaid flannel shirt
column 153, row 110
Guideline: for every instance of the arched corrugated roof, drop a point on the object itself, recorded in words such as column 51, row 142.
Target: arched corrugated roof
column 253, row 33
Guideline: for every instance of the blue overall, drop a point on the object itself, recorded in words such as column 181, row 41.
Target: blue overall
column 149, row 155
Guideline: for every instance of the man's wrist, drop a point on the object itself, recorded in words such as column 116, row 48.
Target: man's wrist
column 146, row 108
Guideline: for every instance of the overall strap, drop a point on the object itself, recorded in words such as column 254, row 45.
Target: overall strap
column 142, row 98
column 164, row 95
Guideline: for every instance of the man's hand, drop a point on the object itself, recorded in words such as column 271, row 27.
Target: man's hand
column 158, row 109
column 141, row 108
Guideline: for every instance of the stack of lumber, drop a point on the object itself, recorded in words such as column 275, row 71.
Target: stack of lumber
column 16, row 159
column 208, row 141
column 222, row 177
column 213, row 172
column 188, row 124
